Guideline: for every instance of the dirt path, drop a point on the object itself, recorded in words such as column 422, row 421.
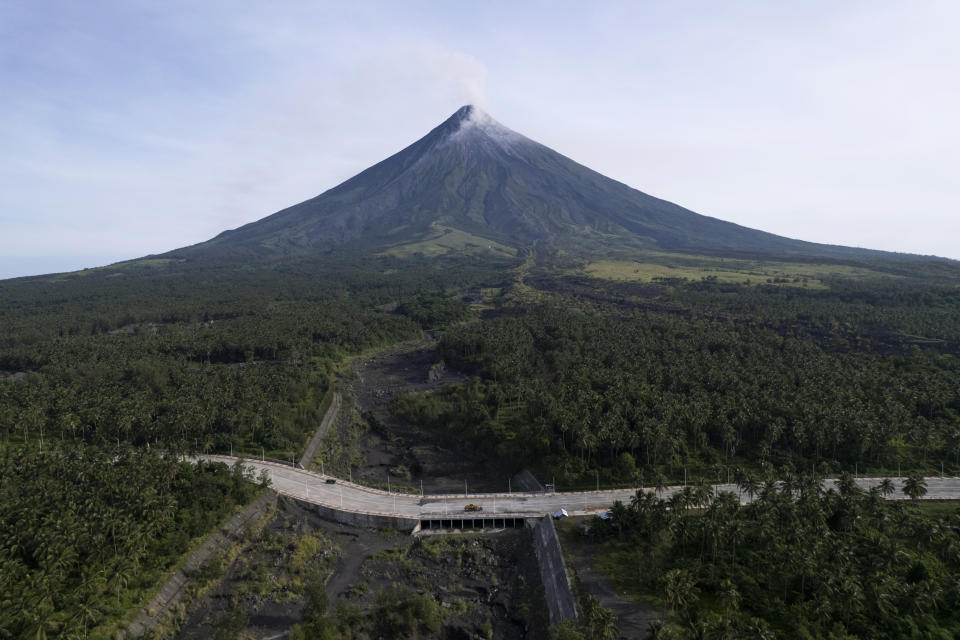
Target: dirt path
column 633, row 617
column 310, row 452
column 359, row 545
column 409, row 453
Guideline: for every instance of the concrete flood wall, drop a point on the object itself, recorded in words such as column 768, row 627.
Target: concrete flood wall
column 160, row 607
column 526, row 481
column 311, row 451
column 553, row 572
column 358, row 519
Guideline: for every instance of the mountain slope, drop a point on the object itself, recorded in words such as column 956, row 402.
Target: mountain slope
column 477, row 176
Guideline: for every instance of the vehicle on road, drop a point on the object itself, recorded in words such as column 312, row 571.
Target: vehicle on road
column 331, row 481
column 473, row 507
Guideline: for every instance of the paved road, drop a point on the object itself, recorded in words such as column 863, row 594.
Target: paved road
column 313, row 487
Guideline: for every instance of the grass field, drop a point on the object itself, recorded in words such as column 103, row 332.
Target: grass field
column 446, row 240
column 754, row 272
column 118, row 269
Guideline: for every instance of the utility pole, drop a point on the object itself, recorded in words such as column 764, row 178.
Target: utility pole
column 465, row 492
column 509, row 488
column 421, row 487
column 388, row 484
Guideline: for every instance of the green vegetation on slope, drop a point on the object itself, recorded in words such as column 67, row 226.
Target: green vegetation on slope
column 174, row 357
column 708, row 377
column 427, row 588
column 632, row 379
column 209, row 357
column 492, row 189
column 796, row 563
column 86, row 532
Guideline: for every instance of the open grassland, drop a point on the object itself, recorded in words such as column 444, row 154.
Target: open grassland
column 132, row 267
column 446, row 240
column 659, row 266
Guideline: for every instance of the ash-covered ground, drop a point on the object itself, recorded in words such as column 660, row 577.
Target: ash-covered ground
column 374, row 443
column 477, row 585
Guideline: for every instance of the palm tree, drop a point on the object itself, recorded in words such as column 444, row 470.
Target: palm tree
column 748, row 484
column 886, row 487
column 680, row 589
column 847, row 486
column 702, row 495
column 915, row 486
column 679, row 501
column 728, row 595
column 656, row 630
column 620, row 516
column 603, row 624
column 660, row 483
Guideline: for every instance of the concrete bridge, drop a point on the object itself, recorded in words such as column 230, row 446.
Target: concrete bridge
column 352, row 503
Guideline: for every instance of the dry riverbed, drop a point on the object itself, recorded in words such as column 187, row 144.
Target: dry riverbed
column 370, row 443
column 484, row 585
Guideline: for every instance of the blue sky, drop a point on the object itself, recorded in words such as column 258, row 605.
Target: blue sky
column 130, row 128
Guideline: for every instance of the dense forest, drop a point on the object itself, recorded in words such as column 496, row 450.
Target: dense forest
column 579, row 377
column 710, row 377
column 86, row 531
column 206, row 359
column 107, row 372
column 797, row 562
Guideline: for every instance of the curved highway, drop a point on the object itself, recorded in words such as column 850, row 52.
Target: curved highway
column 335, row 493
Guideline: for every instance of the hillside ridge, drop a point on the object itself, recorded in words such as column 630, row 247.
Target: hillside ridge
column 475, row 175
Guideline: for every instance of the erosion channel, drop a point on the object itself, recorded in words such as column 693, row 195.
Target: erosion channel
column 370, row 583
column 372, row 445
column 465, row 585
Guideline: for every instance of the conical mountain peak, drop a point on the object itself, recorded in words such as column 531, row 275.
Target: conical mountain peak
column 469, row 115
column 475, row 176
column 470, row 121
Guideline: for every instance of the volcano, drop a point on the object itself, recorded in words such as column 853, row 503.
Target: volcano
column 476, row 177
